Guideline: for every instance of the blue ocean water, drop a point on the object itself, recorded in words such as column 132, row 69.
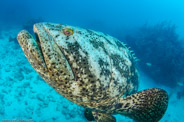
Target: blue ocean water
column 154, row 29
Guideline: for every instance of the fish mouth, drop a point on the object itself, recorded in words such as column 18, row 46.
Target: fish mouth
column 32, row 49
column 37, row 40
column 52, row 54
column 43, row 53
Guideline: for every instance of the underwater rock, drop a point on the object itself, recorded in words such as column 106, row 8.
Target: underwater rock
column 7, row 69
column 4, row 91
column 38, row 112
column 21, row 62
column 65, row 106
column 8, row 103
column 54, row 118
column 18, row 76
column 2, row 99
column 67, row 116
column 9, row 82
column 64, row 111
column 26, row 103
column 26, row 70
column 22, row 93
column 50, row 98
column 59, row 106
column 29, row 109
column 38, row 79
column 32, row 95
column 2, row 111
column 40, row 97
column 29, row 77
column 26, row 84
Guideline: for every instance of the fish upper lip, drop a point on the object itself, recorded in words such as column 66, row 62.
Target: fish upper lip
column 32, row 51
column 38, row 42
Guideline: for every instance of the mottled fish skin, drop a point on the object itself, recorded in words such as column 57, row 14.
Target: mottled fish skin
column 89, row 68
column 86, row 66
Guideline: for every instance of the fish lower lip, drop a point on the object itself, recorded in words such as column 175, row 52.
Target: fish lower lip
column 32, row 50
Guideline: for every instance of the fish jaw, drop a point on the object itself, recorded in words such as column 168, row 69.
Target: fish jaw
column 32, row 51
column 56, row 62
column 45, row 56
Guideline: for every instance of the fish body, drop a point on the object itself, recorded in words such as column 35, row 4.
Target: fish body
column 91, row 69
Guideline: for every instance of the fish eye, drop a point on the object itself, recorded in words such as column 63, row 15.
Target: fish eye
column 67, row 31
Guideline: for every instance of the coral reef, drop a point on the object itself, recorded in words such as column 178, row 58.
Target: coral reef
column 160, row 52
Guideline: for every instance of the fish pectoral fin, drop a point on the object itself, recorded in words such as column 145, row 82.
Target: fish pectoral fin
column 98, row 117
column 145, row 106
column 103, row 117
column 88, row 114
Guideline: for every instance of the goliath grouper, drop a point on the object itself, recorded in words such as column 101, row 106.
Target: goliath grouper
column 93, row 70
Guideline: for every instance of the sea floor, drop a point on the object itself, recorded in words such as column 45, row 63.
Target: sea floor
column 25, row 96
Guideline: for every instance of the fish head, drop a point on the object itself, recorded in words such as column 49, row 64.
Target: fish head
column 46, row 52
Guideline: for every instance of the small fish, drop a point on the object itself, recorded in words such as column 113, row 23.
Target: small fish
column 148, row 64
column 180, row 84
